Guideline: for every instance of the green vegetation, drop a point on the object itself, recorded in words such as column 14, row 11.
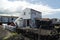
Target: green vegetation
column 10, row 35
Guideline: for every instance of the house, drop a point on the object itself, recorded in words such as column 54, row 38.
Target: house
column 28, row 18
column 6, row 19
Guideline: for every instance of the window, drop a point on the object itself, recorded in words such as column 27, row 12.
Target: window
column 24, row 13
column 35, row 13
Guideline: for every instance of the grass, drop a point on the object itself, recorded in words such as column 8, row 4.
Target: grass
column 10, row 35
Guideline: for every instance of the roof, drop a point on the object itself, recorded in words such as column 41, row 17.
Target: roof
column 32, row 9
column 43, row 19
column 9, row 16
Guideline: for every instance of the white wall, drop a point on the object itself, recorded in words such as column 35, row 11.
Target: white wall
column 27, row 14
column 30, row 13
column 19, row 22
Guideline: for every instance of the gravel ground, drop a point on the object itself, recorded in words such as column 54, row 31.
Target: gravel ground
column 7, row 35
column 3, row 32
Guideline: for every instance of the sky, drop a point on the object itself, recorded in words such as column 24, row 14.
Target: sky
column 49, row 8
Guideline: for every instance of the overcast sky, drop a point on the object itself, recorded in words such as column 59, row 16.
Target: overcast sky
column 49, row 8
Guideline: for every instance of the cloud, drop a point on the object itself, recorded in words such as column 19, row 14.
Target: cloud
column 30, row 1
column 16, row 7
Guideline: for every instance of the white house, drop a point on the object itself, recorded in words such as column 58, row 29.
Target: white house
column 28, row 18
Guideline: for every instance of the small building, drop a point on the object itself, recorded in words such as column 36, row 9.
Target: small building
column 56, row 21
column 6, row 19
column 45, row 23
column 28, row 18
